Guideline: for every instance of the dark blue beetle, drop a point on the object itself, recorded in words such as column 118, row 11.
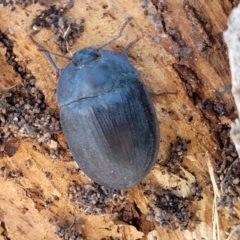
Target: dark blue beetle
column 107, row 117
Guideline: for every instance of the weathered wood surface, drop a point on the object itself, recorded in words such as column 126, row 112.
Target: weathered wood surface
column 180, row 49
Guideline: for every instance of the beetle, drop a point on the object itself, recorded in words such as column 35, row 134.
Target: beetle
column 107, row 116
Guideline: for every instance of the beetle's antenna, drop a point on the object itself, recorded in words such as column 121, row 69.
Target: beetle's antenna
column 48, row 54
column 129, row 46
column 119, row 34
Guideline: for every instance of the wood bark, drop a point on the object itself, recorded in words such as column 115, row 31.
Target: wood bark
column 181, row 48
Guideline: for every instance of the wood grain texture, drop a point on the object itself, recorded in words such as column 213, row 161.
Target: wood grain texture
column 181, row 49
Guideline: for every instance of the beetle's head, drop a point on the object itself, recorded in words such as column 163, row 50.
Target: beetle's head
column 85, row 55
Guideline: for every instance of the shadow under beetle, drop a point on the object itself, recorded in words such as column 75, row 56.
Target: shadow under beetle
column 107, row 116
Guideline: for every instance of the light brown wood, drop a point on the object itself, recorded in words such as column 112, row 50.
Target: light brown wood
column 180, row 49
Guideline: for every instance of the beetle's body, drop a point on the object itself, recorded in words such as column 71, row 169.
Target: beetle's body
column 108, row 118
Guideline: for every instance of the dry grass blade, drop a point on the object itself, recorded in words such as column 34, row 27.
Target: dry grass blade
column 216, row 192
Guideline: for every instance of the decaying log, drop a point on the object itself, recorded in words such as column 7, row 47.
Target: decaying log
column 193, row 190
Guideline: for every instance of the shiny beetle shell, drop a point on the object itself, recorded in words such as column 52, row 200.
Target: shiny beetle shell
column 108, row 118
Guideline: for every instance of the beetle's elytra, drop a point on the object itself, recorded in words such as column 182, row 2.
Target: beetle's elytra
column 107, row 117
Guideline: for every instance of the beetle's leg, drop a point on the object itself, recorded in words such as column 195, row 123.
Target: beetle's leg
column 124, row 53
column 119, row 34
column 53, row 64
column 160, row 94
column 48, row 54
